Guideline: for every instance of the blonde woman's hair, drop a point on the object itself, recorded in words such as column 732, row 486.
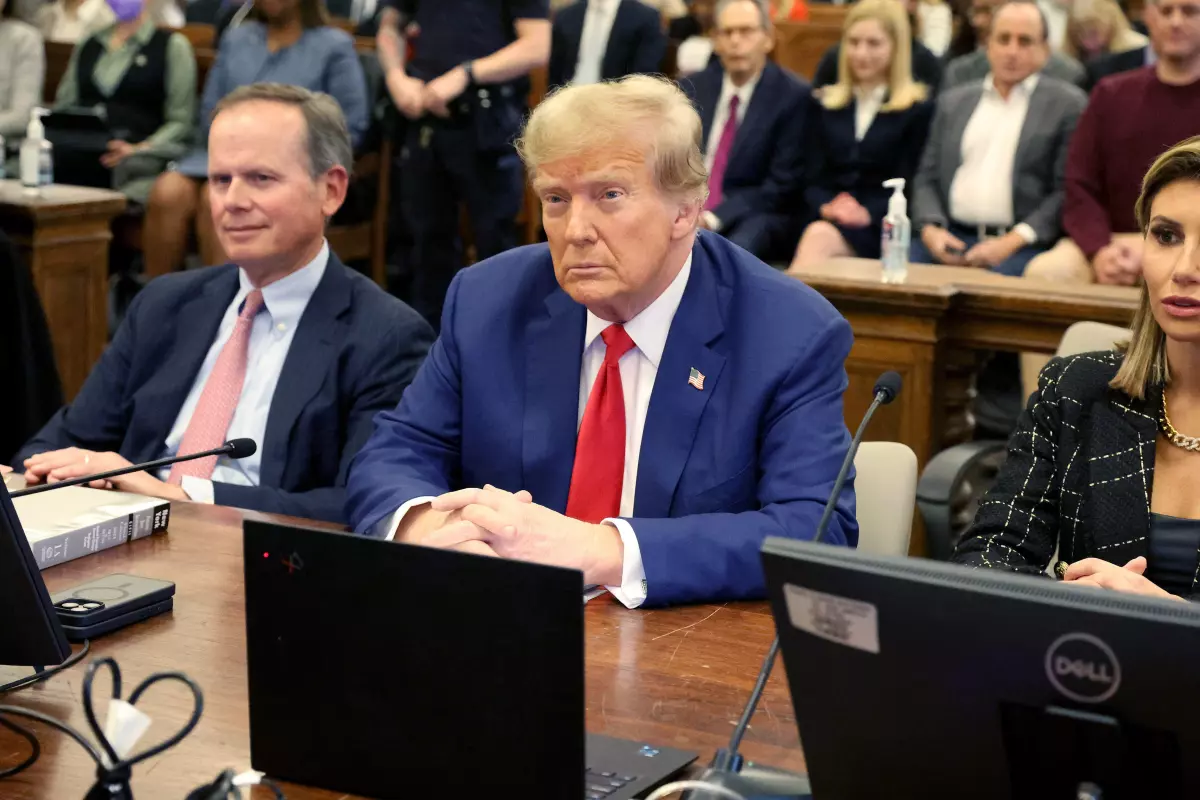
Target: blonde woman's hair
column 1145, row 362
column 642, row 109
column 1122, row 36
column 903, row 91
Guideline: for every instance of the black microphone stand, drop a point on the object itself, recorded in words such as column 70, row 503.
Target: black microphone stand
column 728, row 769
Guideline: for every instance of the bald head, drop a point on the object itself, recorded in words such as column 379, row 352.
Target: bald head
column 1017, row 46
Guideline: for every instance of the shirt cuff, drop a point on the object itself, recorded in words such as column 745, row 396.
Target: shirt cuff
column 1026, row 232
column 198, row 490
column 632, row 591
column 386, row 528
column 712, row 221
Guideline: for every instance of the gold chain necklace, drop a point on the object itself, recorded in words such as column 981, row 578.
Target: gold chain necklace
column 1176, row 438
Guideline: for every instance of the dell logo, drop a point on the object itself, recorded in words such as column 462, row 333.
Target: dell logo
column 1083, row 668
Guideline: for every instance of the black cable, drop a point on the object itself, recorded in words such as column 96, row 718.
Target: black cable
column 34, row 747
column 764, row 674
column 38, row 677
column 24, row 733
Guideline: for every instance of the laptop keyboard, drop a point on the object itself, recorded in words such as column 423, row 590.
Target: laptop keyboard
column 599, row 785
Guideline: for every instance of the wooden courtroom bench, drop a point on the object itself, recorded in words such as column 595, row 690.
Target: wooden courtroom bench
column 800, row 45
column 676, row 676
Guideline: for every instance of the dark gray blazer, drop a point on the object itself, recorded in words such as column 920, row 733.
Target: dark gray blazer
column 1038, row 169
column 975, row 67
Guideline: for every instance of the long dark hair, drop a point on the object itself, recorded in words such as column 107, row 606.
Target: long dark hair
column 312, row 13
column 10, row 9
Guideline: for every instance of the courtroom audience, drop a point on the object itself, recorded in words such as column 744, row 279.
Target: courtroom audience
column 143, row 78
column 1103, row 465
column 1098, row 28
column 1057, row 14
column 637, row 399
column 71, row 21
column 989, row 191
column 284, row 345
column 975, row 66
column 695, row 36
column 1102, row 66
column 926, row 66
column 868, row 127
column 754, row 117
column 282, row 41
column 598, row 40
column 1130, row 118
column 22, row 72
column 934, row 25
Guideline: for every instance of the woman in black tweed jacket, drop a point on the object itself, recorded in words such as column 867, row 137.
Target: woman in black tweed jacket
column 1098, row 466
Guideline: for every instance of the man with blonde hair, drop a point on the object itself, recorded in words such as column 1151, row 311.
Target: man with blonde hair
column 634, row 399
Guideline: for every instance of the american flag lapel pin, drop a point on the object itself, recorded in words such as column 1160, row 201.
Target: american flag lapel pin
column 696, row 379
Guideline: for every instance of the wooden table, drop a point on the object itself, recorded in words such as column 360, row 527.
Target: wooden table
column 928, row 328
column 676, row 677
column 63, row 234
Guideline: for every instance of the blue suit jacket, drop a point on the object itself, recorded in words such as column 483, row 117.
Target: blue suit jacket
column 636, row 44
column 837, row 162
column 765, row 173
column 354, row 352
column 753, row 455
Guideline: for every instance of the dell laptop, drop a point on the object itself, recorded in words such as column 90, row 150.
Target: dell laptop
column 391, row 670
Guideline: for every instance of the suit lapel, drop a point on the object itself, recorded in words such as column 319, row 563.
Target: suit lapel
column 575, row 40
column 1039, row 109
column 199, row 319
column 1120, row 472
column 306, row 368
column 553, row 360
column 757, row 114
column 675, row 405
column 952, row 156
column 608, row 64
column 708, row 94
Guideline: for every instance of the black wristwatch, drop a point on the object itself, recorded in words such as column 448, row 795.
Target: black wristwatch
column 469, row 68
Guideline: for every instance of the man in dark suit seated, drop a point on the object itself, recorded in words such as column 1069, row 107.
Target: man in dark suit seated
column 285, row 345
column 597, row 40
column 753, row 113
column 636, row 399
column 989, row 191
column 926, row 67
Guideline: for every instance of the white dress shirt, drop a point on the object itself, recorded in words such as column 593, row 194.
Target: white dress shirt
column 936, row 23
column 593, row 43
column 271, row 337
column 639, row 368
column 866, row 107
column 981, row 192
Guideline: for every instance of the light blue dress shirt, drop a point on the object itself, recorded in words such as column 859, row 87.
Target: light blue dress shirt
column 271, row 337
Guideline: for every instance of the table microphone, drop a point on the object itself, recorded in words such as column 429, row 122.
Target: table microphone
column 234, row 448
column 727, row 769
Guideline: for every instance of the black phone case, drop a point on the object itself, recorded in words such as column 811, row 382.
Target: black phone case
column 78, row 634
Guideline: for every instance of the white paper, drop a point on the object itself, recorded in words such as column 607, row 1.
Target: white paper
column 836, row 619
column 124, row 726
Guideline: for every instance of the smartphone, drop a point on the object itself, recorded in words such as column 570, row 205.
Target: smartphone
column 110, row 603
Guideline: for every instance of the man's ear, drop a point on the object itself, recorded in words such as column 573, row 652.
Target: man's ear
column 334, row 185
column 687, row 218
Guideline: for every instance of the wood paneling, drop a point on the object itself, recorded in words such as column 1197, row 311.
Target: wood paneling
column 678, row 677
column 63, row 233
column 800, row 45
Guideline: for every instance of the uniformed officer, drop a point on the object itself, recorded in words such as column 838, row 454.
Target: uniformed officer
column 464, row 90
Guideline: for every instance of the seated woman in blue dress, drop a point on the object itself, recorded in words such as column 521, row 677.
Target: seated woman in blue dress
column 283, row 41
column 1104, row 464
column 868, row 127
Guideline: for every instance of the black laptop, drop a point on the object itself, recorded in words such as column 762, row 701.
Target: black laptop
column 390, row 670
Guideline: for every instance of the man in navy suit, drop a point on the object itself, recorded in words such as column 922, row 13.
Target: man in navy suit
column 635, row 399
column 285, row 345
column 753, row 113
column 597, row 40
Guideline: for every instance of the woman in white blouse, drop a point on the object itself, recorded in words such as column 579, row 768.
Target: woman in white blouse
column 868, row 127
column 22, row 71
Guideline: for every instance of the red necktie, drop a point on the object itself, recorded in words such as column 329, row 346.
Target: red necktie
column 599, row 469
column 716, row 178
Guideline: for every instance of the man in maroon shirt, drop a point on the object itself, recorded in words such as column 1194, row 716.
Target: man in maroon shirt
column 1131, row 119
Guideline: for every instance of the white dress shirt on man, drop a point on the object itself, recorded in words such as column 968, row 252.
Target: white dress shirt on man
column 639, row 368
column 981, row 192
column 271, row 337
column 866, row 107
column 593, row 43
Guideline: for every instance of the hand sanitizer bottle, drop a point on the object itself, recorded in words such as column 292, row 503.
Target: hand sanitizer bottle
column 897, row 234
column 37, row 154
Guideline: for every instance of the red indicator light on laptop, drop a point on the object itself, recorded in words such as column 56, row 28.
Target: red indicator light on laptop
column 266, row 555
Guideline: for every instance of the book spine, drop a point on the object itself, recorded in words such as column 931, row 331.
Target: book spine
column 149, row 521
column 81, row 542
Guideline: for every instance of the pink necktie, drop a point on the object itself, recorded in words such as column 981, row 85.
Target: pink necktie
column 220, row 396
column 716, row 178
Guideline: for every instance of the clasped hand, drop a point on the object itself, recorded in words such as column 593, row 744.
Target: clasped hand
column 1106, row 575
column 415, row 97
column 845, row 210
column 491, row 521
column 72, row 462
